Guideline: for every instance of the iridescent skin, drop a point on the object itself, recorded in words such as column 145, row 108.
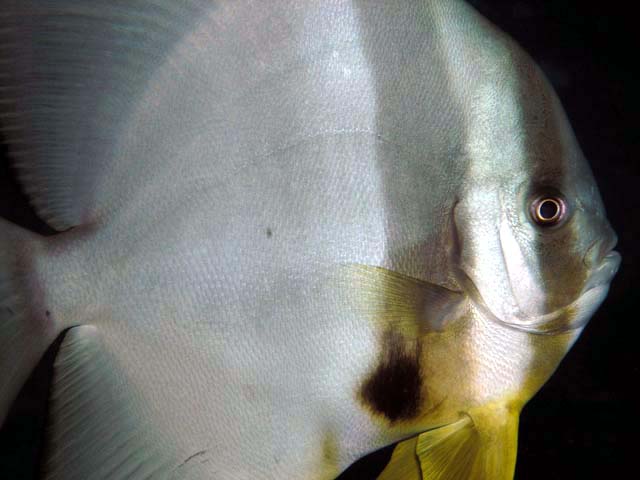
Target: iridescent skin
column 246, row 167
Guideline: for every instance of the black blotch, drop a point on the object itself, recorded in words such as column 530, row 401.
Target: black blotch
column 269, row 233
column 395, row 387
column 47, row 313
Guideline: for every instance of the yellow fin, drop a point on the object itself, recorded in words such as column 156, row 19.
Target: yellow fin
column 484, row 449
column 404, row 464
column 448, row 452
column 409, row 305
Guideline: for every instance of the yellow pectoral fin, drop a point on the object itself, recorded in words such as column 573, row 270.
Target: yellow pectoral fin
column 409, row 305
column 484, row 449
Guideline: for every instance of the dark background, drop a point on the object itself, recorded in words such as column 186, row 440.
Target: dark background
column 580, row 424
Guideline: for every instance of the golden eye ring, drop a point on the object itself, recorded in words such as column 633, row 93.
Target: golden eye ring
column 548, row 211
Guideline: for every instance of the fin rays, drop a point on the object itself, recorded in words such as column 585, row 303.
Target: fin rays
column 409, row 305
column 73, row 69
column 95, row 431
column 460, row 450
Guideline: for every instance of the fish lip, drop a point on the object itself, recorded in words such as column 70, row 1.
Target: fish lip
column 605, row 272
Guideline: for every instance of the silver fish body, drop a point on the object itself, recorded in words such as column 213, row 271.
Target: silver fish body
column 293, row 233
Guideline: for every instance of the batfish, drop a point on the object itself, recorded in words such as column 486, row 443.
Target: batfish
column 290, row 233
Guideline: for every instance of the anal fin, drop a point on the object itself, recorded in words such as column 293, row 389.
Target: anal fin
column 97, row 429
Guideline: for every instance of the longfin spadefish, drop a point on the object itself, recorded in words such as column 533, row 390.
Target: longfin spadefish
column 96, row 431
column 70, row 71
column 406, row 304
column 460, row 450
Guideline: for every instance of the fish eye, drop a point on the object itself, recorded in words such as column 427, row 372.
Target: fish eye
column 548, row 210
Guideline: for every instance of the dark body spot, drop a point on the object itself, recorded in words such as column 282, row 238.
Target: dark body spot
column 269, row 233
column 394, row 389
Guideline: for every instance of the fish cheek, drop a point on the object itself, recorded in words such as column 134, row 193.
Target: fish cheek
column 394, row 389
column 563, row 271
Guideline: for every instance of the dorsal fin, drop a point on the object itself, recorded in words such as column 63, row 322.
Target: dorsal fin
column 69, row 72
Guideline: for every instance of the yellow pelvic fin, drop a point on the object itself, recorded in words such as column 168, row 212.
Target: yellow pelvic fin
column 484, row 449
column 404, row 464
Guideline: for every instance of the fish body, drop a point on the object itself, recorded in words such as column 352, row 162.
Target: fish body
column 291, row 233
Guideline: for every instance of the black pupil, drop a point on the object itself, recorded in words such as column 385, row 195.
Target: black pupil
column 548, row 209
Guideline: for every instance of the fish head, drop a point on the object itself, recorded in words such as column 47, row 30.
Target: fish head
column 533, row 246
column 557, row 250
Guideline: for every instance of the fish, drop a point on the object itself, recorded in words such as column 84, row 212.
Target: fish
column 290, row 233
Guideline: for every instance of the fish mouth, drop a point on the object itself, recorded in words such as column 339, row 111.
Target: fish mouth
column 569, row 317
column 605, row 272
column 577, row 313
